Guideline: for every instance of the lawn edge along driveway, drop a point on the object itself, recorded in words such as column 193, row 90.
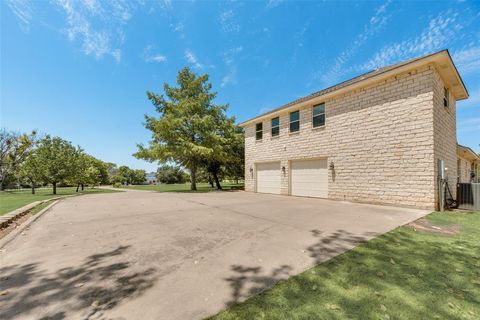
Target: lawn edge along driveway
column 424, row 270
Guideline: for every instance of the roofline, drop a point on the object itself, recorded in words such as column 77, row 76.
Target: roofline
column 475, row 155
column 362, row 80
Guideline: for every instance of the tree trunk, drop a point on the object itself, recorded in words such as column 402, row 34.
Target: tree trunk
column 217, row 182
column 78, row 186
column 54, row 187
column 193, row 178
column 83, row 186
column 2, row 186
column 33, row 187
column 210, row 180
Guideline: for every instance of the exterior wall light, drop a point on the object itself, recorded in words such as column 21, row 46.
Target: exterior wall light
column 331, row 166
column 283, row 169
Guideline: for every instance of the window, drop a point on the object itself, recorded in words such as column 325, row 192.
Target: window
column 318, row 113
column 275, row 126
column 294, row 121
column 445, row 97
column 259, row 131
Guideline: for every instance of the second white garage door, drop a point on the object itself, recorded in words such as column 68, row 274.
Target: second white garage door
column 268, row 177
column 309, row 178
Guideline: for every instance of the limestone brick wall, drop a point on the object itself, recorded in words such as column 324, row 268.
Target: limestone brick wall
column 445, row 134
column 379, row 138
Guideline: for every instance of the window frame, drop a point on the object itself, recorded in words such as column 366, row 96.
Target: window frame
column 275, row 127
column 257, row 131
column 324, row 116
column 291, row 122
column 446, row 97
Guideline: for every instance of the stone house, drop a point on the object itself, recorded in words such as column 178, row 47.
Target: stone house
column 376, row 138
column 468, row 165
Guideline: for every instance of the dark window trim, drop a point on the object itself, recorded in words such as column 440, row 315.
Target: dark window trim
column 446, row 97
column 290, row 123
column 275, row 127
column 257, row 131
column 318, row 115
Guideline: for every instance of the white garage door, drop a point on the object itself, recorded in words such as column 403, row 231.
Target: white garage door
column 268, row 177
column 309, row 178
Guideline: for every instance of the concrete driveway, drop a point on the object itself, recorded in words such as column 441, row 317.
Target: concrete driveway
column 146, row 255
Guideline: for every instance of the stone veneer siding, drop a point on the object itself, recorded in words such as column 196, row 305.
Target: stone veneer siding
column 383, row 139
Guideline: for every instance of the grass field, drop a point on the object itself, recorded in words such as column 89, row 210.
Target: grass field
column 14, row 199
column 404, row 274
column 201, row 187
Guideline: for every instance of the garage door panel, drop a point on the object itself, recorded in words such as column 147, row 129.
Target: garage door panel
column 268, row 177
column 309, row 178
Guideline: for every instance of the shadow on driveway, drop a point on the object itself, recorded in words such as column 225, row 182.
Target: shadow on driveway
column 96, row 285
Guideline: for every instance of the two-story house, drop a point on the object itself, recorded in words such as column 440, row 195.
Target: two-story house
column 376, row 138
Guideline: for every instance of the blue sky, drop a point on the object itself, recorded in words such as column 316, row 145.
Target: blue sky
column 80, row 69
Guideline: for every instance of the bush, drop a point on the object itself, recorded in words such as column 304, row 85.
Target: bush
column 170, row 174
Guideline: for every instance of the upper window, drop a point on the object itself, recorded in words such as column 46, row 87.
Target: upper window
column 446, row 96
column 318, row 113
column 275, row 126
column 259, row 131
column 294, row 121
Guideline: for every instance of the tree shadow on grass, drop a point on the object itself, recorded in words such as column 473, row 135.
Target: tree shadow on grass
column 399, row 275
column 100, row 283
column 248, row 280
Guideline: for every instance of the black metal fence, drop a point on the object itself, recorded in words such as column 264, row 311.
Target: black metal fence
column 468, row 196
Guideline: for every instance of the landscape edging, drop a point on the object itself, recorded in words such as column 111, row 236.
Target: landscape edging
column 9, row 237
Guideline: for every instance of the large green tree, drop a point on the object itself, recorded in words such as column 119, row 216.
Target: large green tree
column 57, row 160
column 14, row 149
column 235, row 162
column 189, row 129
column 31, row 170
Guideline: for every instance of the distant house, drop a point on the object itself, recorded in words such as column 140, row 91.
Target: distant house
column 468, row 165
column 151, row 178
column 378, row 138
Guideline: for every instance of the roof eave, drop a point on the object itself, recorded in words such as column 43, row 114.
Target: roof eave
column 442, row 59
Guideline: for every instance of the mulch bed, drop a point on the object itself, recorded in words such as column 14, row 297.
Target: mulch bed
column 423, row 225
column 14, row 224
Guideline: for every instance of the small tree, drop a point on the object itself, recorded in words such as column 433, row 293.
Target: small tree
column 188, row 130
column 56, row 159
column 79, row 173
column 93, row 175
column 31, row 170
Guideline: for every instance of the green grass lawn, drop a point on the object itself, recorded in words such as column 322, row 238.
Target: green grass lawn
column 201, row 187
column 14, row 199
column 404, row 274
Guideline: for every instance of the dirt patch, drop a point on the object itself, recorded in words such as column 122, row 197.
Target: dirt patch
column 423, row 225
column 14, row 224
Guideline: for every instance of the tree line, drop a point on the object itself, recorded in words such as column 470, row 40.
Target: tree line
column 37, row 161
column 193, row 132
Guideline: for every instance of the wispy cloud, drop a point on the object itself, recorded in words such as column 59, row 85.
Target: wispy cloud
column 179, row 28
column 469, row 125
column 439, row 32
column 272, row 4
column 192, row 59
column 229, row 58
column 472, row 101
column 374, row 25
column 23, row 10
column 468, row 59
column 150, row 55
column 96, row 25
column 228, row 21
